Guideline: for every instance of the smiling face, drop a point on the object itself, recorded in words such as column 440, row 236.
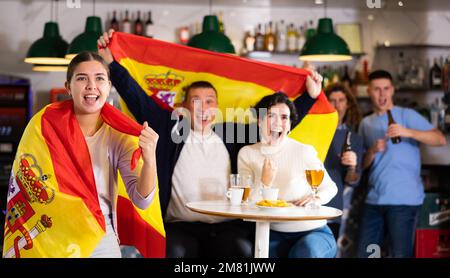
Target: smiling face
column 381, row 91
column 276, row 124
column 89, row 87
column 202, row 106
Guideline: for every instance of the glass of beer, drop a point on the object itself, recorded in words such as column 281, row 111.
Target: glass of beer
column 247, row 184
column 314, row 176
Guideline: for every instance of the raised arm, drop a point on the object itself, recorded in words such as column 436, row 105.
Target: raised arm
column 304, row 102
column 140, row 183
column 138, row 102
column 418, row 128
column 432, row 137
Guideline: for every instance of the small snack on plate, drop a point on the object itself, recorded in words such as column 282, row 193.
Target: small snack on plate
column 273, row 203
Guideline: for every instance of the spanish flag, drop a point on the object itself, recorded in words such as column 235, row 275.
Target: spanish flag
column 53, row 208
column 162, row 69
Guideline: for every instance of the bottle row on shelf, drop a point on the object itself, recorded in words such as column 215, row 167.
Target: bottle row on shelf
column 127, row 23
column 185, row 32
column 359, row 75
column 413, row 73
column 278, row 37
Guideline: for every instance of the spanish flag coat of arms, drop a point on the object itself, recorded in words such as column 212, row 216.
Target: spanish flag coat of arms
column 53, row 208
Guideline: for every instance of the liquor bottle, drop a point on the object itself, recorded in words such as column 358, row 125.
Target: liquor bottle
column 281, row 37
column 183, row 35
column 401, row 70
column 149, row 26
column 269, row 39
column 397, row 139
column 335, row 78
column 366, row 71
column 437, row 114
column 291, row 39
column 249, row 42
column 311, row 31
column 126, row 24
column 327, row 74
column 346, row 80
column 415, row 76
column 445, row 124
column 350, row 176
column 300, row 38
column 114, row 24
column 445, row 81
column 347, row 143
column 221, row 25
column 259, row 39
column 138, row 25
column 435, row 76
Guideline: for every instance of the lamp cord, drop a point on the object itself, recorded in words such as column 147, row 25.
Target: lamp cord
column 51, row 10
column 325, row 6
column 57, row 10
column 210, row 7
column 93, row 8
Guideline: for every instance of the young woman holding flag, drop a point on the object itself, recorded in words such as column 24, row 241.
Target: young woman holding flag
column 88, row 82
column 65, row 175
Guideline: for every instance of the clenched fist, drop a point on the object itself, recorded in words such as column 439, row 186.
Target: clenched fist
column 102, row 45
column 147, row 141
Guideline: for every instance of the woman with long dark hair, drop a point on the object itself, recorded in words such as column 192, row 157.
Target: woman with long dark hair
column 343, row 161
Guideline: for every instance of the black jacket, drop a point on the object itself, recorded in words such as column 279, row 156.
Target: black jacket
column 144, row 108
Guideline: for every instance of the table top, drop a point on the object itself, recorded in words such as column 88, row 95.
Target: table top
column 252, row 212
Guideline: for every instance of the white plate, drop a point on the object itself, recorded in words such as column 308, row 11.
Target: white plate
column 274, row 209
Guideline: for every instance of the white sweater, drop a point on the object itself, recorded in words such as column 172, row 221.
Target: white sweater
column 291, row 158
column 201, row 173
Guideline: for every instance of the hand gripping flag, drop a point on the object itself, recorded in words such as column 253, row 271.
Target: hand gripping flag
column 53, row 208
column 162, row 69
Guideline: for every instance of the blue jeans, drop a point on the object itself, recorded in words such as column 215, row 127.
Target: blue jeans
column 317, row 243
column 399, row 222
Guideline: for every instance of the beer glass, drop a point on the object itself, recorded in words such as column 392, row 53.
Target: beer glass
column 247, row 184
column 314, row 176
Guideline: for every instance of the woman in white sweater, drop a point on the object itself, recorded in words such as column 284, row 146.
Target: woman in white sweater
column 280, row 162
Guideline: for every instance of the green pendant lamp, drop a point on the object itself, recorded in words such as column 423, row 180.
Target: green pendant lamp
column 211, row 38
column 325, row 45
column 86, row 41
column 50, row 49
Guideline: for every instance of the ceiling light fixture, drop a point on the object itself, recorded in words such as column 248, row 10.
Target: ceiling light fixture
column 325, row 45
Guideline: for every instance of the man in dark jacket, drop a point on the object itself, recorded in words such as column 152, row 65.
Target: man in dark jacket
column 196, row 167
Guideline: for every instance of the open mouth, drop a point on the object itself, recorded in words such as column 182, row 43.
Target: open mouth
column 203, row 118
column 382, row 101
column 275, row 134
column 91, row 98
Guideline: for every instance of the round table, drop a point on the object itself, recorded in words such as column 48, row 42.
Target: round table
column 262, row 217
